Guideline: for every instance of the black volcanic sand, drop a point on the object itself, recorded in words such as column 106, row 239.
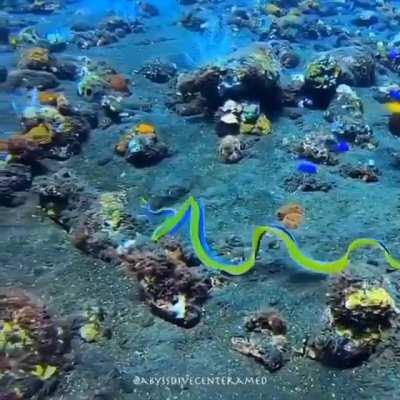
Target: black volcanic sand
column 37, row 255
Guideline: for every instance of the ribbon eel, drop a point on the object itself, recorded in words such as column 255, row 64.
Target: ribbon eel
column 192, row 211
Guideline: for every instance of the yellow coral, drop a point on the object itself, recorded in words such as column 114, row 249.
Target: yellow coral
column 91, row 332
column 262, row 126
column 369, row 336
column 13, row 336
column 273, row 9
column 369, row 298
column 38, row 55
column 44, row 372
column 112, row 208
column 39, row 135
column 246, row 128
column 145, row 129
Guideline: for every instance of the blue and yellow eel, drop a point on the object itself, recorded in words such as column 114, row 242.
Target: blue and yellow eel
column 192, row 211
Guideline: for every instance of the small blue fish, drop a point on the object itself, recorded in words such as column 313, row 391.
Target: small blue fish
column 341, row 147
column 393, row 55
column 394, row 94
column 307, row 167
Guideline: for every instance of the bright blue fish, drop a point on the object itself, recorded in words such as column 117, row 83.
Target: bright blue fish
column 393, row 55
column 341, row 147
column 307, row 167
column 395, row 94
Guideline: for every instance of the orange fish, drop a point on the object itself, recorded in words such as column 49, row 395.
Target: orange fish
column 291, row 215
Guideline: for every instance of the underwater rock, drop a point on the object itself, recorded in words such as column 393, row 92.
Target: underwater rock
column 345, row 112
column 110, row 30
column 14, row 178
column 366, row 18
column 22, row 150
column 97, row 222
column 43, row 7
column 267, row 320
column 287, row 27
column 252, row 73
column 321, row 79
column 47, row 132
column 63, row 197
column 240, row 18
column 148, row 10
column 261, row 350
column 230, row 149
column 317, row 29
column 267, row 342
column 338, row 351
column 26, row 78
column 101, row 83
column 114, row 23
column 190, row 108
column 158, row 72
column 346, row 101
column 317, row 148
column 86, row 111
column 3, row 74
column 365, row 173
column 194, row 20
column 87, row 39
column 361, row 305
column 173, row 290
column 37, row 58
column 249, row 74
column 292, row 93
column 204, row 83
column 33, row 347
column 145, row 150
column 65, row 70
column 361, row 316
column 357, row 65
column 82, row 26
column 305, row 183
column 288, row 58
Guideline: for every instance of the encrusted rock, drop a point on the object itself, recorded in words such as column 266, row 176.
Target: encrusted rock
column 25, row 78
column 361, row 316
column 173, row 290
column 33, row 346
